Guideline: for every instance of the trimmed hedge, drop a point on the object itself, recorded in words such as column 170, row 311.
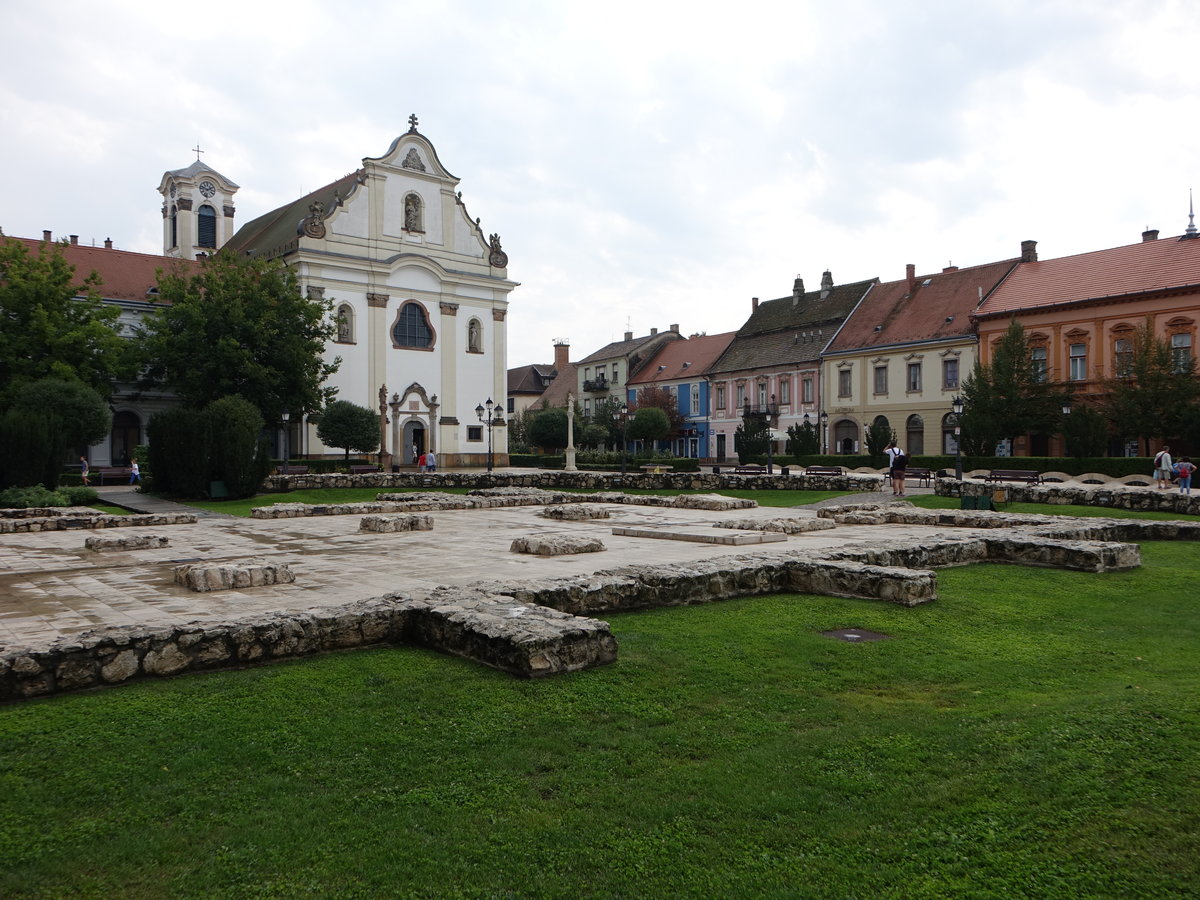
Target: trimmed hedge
column 1115, row 466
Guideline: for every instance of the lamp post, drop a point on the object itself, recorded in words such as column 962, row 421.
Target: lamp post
column 824, row 431
column 957, row 406
column 624, row 434
column 770, row 436
column 1066, row 408
column 285, row 415
column 492, row 419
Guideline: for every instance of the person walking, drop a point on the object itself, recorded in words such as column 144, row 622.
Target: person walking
column 1162, row 468
column 83, row 470
column 421, row 463
column 897, row 464
column 1185, row 468
column 135, row 474
column 430, row 462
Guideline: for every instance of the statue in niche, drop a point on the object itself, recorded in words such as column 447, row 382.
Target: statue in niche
column 412, row 213
column 343, row 324
column 474, row 337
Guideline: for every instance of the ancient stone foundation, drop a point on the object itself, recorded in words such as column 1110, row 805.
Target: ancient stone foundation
column 96, row 520
column 556, row 545
column 575, row 513
column 230, row 576
column 132, row 542
column 392, row 524
column 784, row 526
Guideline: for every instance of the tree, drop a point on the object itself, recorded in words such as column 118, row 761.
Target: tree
column 879, row 435
column 238, row 454
column 650, row 423
column 52, row 326
column 1085, row 433
column 751, row 437
column 548, row 430
column 76, row 415
column 239, row 326
column 607, row 414
column 352, row 427
column 803, row 440
column 1010, row 397
column 663, row 399
column 1150, row 396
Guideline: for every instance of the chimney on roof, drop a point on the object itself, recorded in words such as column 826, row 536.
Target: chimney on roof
column 797, row 290
column 1150, row 234
column 753, row 303
column 46, row 236
column 74, row 240
column 653, row 332
column 1028, row 251
column 950, row 269
column 910, row 273
column 826, row 284
column 562, row 355
column 108, row 243
column 629, row 335
column 674, row 328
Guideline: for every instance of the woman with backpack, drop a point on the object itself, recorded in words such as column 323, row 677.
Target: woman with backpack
column 897, row 464
column 1185, row 467
column 1163, row 468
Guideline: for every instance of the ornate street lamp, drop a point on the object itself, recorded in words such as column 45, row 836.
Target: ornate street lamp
column 489, row 421
column 770, row 436
column 956, row 405
column 285, row 415
column 824, row 431
column 624, row 434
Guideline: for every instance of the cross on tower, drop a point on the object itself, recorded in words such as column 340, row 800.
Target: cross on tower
column 412, row 122
column 198, row 151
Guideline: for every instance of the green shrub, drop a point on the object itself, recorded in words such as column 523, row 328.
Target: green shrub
column 29, row 451
column 237, row 452
column 79, row 495
column 31, row 496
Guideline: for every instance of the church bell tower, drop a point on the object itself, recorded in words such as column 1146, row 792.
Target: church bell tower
column 197, row 210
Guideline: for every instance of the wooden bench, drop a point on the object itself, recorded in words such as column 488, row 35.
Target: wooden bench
column 363, row 470
column 924, row 476
column 120, row 473
column 822, row 470
column 293, row 470
column 749, row 470
column 1029, row 476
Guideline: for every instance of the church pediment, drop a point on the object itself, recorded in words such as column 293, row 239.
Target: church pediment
column 413, row 153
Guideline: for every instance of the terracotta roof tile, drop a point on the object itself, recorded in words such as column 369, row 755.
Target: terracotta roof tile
column 684, row 359
column 125, row 275
column 1133, row 269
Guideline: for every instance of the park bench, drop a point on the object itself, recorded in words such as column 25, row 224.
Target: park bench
column 119, row 473
column 293, row 470
column 924, row 476
column 822, row 470
column 749, row 470
column 1029, row 476
column 363, row 470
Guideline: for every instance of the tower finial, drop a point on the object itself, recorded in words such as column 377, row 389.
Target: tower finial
column 1191, row 229
column 412, row 123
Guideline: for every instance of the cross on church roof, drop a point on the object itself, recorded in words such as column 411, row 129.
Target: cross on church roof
column 412, row 122
column 198, row 151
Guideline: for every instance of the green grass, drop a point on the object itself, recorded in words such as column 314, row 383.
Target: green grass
column 1034, row 733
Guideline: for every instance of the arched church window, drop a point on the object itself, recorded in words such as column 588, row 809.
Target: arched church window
column 206, row 226
column 174, row 226
column 345, row 324
column 413, row 213
column 474, row 337
column 412, row 327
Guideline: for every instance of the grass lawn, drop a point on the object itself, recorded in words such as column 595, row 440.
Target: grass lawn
column 1034, row 733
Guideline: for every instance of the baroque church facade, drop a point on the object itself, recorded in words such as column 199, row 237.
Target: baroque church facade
column 419, row 295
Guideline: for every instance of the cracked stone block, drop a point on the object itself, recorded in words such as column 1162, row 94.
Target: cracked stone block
column 393, row 524
column 575, row 512
column 556, row 545
column 229, row 576
column 131, row 542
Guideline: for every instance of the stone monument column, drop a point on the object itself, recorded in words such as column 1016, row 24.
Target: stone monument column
column 385, row 458
column 395, row 405
column 570, row 466
column 433, row 421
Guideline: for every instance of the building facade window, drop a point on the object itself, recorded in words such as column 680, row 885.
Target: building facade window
column 762, row 395
column 206, row 227
column 1181, row 352
column 741, row 395
column 1123, row 357
column 720, row 396
column 587, row 408
column 807, row 387
column 785, row 391
column 844, row 385
column 1078, row 362
column 950, row 374
column 914, row 377
column 616, row 374
column 512, row 405
column 474, row 433
column 949, row 442
column 881, row 379
column 174, row 227
column 412, row 327
column 1037, row 363
column 695, row 399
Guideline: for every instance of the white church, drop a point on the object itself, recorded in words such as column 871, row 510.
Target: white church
column 419, row 294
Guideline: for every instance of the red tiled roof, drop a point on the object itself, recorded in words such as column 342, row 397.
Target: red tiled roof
column 555, row 396
column 125, row 275
column 697, row 352
column 1134, row 269
column 892, row 313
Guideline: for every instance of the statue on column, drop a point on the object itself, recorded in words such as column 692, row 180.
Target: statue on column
column 385, row 458
column 570, row 465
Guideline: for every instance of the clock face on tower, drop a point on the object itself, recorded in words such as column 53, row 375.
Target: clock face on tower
column 207, row 188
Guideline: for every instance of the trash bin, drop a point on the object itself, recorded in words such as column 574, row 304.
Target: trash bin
column 968, row 502
column 716, row 470
column 783, row 471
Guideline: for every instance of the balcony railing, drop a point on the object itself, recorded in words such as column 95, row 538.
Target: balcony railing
column 596, row 386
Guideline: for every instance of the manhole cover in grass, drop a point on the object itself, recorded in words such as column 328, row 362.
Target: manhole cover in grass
column 855, row 635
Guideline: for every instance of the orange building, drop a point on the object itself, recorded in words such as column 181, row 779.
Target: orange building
column 1080, row 312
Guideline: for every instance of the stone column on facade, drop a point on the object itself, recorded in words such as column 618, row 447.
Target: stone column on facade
column 499, row 369
column 449, row 379
column 377, row 338
column 433, row 421
column 570, row 466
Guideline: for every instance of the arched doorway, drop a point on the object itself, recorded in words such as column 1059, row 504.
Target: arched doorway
column 414, row 441
column 845, row 436
column 126, row 434
column 915, row 435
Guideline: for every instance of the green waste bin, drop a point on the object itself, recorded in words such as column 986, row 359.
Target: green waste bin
column 968, row 503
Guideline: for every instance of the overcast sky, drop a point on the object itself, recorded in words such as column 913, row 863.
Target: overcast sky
column 645, row 163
